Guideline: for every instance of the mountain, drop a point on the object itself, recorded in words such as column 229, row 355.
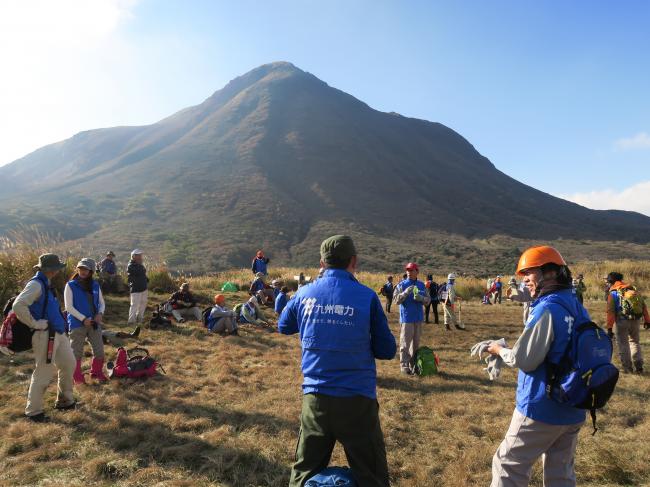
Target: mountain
column 277, row 159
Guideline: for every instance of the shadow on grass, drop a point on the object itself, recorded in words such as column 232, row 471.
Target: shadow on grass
column 449, row 383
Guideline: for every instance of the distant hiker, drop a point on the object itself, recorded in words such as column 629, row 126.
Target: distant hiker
column 276, row 285
column 606, row 286
column 37, row 307
column 260, row 263
column 183, row 304
column 490, row 288
column 580, row 288
column 222, row 320
column 85, row 306
column 520, row 294
column 448, row 297
column 625, row 310
column 252, row 313
column 387, row 290
column 432, row 288
column 108, row 273
column 343, row 329
column 282, row 300
column 412, row 296
column 498, row 290
column 541, row 426
column 138, row 282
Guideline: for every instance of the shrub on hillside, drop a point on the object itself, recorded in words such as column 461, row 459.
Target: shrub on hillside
column 160, row 280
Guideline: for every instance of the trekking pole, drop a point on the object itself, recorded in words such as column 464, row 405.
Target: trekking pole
column 459, row 309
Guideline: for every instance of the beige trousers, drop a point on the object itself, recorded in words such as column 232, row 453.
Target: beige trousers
column 527, row 440
column 78, row 338
column 138, row 307
column 409, row 342
column 62, row 360
column 629, row 347
column 450, row 317
column 193, row 313
column 225, row 323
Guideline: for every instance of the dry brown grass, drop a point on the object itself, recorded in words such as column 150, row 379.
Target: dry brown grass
column 227, row 414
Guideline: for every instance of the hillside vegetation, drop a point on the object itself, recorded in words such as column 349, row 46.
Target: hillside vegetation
column 227, row 411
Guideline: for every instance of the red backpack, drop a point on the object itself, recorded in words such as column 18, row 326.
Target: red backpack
column 133, row 364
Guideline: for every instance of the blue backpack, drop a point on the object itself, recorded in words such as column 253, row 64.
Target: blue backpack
column 333, row 476
column 585, row 377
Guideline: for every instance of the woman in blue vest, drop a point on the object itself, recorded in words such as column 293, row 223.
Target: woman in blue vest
column 540, row 426
column 85, row 306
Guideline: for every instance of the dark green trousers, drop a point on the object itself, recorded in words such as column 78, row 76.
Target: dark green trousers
column 353, row 422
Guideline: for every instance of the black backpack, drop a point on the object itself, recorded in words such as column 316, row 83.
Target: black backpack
column 205, row 315
column 21, row 334
column 158, row 320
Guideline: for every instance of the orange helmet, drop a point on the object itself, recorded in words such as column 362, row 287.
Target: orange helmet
column 412, row 266
column 219, row 299
column 537, row 257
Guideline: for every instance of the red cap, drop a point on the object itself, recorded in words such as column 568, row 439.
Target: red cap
column 412, row 266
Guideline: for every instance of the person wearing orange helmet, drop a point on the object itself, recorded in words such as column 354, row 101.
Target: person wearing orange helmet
column 412, row 296
column 221, row 319
column 541, row 426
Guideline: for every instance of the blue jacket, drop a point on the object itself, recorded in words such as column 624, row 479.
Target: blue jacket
column 47, row 301
column 566, row 312
column 257, row 285
column 342, row 329
column 259, row 265
column 280, row 302
column 108, row 266
column 81, row 303
column 411, row 311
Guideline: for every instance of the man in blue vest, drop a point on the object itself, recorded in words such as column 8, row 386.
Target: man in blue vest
column 541, row 426
column 260, row 263
column 412, row 296
column 37, row 307
column 343, row 329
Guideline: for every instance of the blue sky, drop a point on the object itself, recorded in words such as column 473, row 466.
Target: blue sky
column 555, row 93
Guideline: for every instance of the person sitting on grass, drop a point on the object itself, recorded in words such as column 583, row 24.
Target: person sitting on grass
column 115, row 338
column 84, row 303
column 252, row 313
column 184, row 304
column 222, row 320
column 282, row 300
column 260, row 288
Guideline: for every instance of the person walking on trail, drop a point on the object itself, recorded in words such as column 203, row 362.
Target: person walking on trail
column 412, row 296
column 222, row 320
column 432, row 289
column 498, row 290
column 580, row 288
column 520, row 294
column 138, row 283
column 541, row 426
column 388, row 290
column 260, row 263
column 85, row 305
column 626, row 309
column 37, row 307
column 108, row 273
column 184, row 305
column 343, row 329
column 449, row 299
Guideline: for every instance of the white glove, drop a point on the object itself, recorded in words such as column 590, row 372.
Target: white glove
column 41, row 325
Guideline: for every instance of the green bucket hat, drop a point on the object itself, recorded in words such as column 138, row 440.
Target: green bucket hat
column 337, row 250
column 49, row 263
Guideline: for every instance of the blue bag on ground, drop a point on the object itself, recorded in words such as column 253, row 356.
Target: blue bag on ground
column 333, row 476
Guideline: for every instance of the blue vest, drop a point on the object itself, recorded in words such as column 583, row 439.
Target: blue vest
column 280, row 302
column 259, row 266
column 411, row 311
column 81, row 304
column 52, row 310
column 532, row 401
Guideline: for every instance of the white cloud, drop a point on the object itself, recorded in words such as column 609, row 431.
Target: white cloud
column 634, row 198
column 53, row 55
column 638, row 141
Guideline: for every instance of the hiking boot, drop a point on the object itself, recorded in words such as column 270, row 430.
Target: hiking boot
column 67, row 407
column 78, row 376
column 135, row 333
column 447, row 326
column 460, row 327
column 406, row 371
column 97, row 370
column 38, row 418
column 182, row 320
column 639, row 370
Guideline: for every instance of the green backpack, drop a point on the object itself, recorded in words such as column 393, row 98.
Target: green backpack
column 426, row 362
column 632, row 303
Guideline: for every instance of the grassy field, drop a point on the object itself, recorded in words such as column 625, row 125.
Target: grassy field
column 227, row 412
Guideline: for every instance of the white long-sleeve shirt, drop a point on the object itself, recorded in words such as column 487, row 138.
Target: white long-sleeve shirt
column 69, row 304
column 25, row 299
column 532, row 346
